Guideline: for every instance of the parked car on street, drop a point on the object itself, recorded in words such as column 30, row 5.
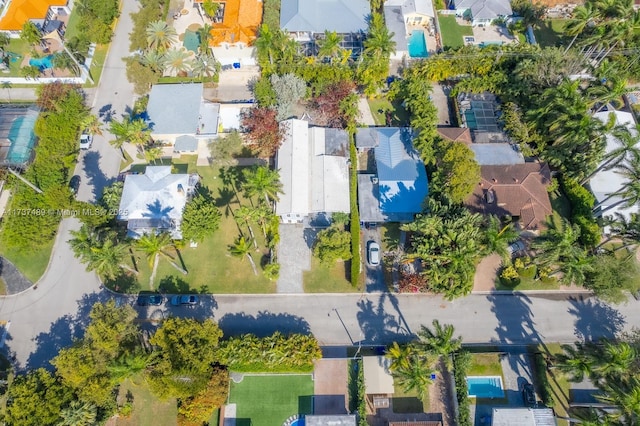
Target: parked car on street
column 85, row 140
column 373, row 253
column 74, row 184
column 185, row 299
column 150, row 299
column 529, row 395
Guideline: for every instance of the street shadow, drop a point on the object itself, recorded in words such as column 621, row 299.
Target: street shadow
column 595, row 319
column 106, row 113
column 264, row 324
column 97, row 179
column 63, row 333
column 515, row 319
column 382, row 322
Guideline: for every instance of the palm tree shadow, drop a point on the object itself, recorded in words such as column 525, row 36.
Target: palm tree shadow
column 378, row 322
column 595, row 319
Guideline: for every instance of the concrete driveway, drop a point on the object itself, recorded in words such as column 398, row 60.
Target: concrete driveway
column 440, row 98
column 374, row 275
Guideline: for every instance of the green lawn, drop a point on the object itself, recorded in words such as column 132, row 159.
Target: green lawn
column 20, row 47
column 549, row 32
column 485, row 364
column 211, row 268
column 97, row 64
column 147, row 409
column 379, row 106
column 268, row 400
column 560, row 204
column 452, row 33
column 327, row 279
column 560, row 386
column 529, row 284
column 33, row 263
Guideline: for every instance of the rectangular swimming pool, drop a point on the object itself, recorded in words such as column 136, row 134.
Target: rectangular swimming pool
column 485, row 386
column 417, row 45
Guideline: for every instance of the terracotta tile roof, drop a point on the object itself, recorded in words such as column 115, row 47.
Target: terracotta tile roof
column 516, row 190
column 20, row 11
column 455, row 134
column 240, row 23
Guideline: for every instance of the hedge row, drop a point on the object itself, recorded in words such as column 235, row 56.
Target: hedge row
column 540, row 370
column 582, row 202
column 355, row 215
column 461, row 363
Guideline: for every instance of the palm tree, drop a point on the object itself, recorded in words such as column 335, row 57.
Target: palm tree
column 247, row 215
column 498, row 237
column 575, row 270
column 576, row 362
column 400, row 356
column 624, row 394
column 616, row 359
column 102, row 252
column 205, row 37
column 416, row 376
column 629, row 194
column 153, row 59
column 127, row 365
column 440, row 341
column 627, row 230
column 260, row 180
column 79, row 413
column 205, row 66
column 265, row 44
column 583, row 16
column 379, row 43
column 154, row 245
column 152, row 154
column 160, row 35
column 242, row 248
column 7, row 85
column 92, row 124
column 626, row 149
column 135, row 131
column 558, row 242
column 177, row 61
column 329, row 46
column 63, row 61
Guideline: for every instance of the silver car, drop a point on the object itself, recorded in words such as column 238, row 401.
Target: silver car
column 85, row 141
column 373, row 253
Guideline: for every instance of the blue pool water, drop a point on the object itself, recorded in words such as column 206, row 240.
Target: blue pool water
column 43, row 63
column 485, row 386
column 22, row 139
column 191, row 40
column 418, row 45
column 297, row 422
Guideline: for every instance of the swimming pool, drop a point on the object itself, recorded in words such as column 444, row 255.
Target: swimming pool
column 191, row 41
column 417, row 45
column 485, row 386
column 297, row 422
column 43, row 63
column 22, row 138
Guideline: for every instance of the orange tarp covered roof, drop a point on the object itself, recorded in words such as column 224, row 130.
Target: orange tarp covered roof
column 240, row 23
column 20, row 11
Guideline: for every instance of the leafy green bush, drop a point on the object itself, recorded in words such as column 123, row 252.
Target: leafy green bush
column 355, row 215
column 362, row 397
column 461, row 364
column 582, row 202
column 544, row 388
column 509, row 277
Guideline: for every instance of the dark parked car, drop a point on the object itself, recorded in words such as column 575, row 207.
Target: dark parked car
column 150, row 299
column 529, row 395
column 185, row 299
column 74, row 184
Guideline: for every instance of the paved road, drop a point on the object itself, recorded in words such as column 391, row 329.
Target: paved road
column 113, row 97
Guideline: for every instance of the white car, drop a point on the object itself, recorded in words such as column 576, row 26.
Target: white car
column 85, row 141
column 373, row 252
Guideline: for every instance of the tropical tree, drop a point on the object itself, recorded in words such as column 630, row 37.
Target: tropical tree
column 613, row 277
column 440, row 341
column 558, row 243
column 498, row 237
column 200, row 218
column 205, row 66
column 626, row 149
column 332, row 244
column 135, row 131
column 160, row 35
column 154, row 246
column 63, row 61
column 210, row 8
column 261, row 180
column 247, row 215
column 626, row 230
column 415, row 375
column 177, row 61
column 576, row 362
column 101, row 251
column 329, row 45
column 79, row 413
column 629, row 194
column 263, row 130
column 204, row 34
column 30, row 33
column 379, row 41
column 154, row 59
column 242, row 249
column 92, row 124
column 583, row 16
column 400, row 356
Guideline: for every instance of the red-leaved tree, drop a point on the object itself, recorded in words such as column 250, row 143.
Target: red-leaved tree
column 263, row 130
column 412, row 283
column 50, row 94
column 329, row 104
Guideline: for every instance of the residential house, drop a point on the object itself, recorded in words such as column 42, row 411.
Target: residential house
column 399, row 186
column 46, row 14
column 154, row 201
column 483, row 12
column 607, row 181
column 403, row 16
column 378, row 381
column 486, row 154
column 235, row 28
column 306, row 21
column 523, row 417
column 179, row 116
column 314, row 171
column 518, row 191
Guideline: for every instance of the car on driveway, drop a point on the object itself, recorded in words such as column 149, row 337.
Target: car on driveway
column 85, row 140
column 185, row 299
column 150, row 299
column 529, row 395
column 516, row 247
column 373, row 253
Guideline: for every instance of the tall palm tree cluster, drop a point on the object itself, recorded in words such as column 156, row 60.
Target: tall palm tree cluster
column 614, row 368
column 261, row 187
column 600, row 26
column 413, row 365
column 163, row 56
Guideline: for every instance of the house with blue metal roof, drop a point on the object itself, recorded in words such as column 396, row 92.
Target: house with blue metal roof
column 399, row 186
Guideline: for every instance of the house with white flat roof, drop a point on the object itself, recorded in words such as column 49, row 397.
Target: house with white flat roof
column 314, row 171
column 607, row 181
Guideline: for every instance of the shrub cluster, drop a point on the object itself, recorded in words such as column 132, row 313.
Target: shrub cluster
column 582, row 202
column 461, row 363
column 355, row 215
column 540, row 370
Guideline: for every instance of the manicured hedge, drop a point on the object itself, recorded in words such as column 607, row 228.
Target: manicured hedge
column 355, row 215
column 582, row 202
column 461, row 363
column 544, row 387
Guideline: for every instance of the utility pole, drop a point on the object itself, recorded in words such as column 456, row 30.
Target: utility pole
column 26, row 182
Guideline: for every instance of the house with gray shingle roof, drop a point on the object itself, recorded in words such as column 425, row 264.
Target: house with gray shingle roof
column 483, row 12
column 341, row 16
column 179, row 115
